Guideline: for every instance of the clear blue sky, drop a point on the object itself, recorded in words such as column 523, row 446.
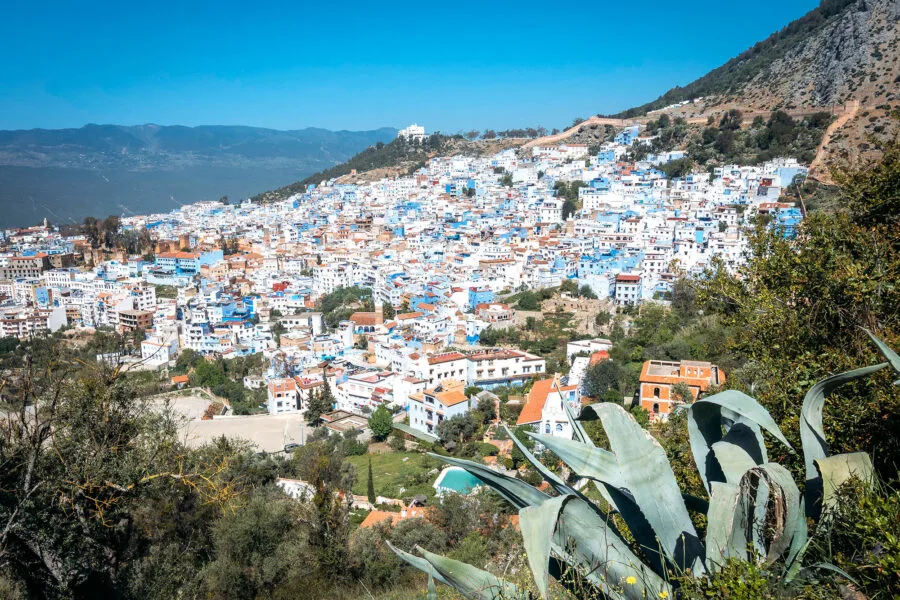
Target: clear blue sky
column 359, row 65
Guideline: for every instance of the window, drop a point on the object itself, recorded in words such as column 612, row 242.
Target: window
column 547, row 428
column 559, row 427
column 656, row 392
column 655, row 407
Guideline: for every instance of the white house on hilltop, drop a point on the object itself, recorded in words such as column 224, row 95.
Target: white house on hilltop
column 413, row 132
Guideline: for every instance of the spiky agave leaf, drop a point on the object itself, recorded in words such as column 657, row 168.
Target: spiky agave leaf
column 538, row 524
column 468, row 580
column 892, row 357
column 577, row 428
column 549, row 476
column 739, row 512
column 419, row 563
column 742, row 417
column 841, row 468
column 515, row 491
column 812, row 435
column 586, row 540
column 638, row 476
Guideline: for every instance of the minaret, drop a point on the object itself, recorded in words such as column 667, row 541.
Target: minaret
column 379, row 313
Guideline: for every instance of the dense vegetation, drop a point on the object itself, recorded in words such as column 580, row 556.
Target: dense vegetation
column 343, row 302
column 224, row 378
column 748, row 64
column 732, row 141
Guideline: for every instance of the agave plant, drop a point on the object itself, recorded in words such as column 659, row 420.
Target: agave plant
column 754, row 512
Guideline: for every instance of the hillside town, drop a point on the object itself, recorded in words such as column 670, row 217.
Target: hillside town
column 438, row 252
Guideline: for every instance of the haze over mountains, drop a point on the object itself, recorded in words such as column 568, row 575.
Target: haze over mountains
column 67, row 174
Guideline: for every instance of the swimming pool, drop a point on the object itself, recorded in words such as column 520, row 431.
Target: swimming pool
column 456, row 479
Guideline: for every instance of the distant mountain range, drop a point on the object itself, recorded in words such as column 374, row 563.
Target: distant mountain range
column 67, row 174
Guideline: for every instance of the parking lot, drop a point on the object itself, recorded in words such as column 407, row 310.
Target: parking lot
column 268, row 433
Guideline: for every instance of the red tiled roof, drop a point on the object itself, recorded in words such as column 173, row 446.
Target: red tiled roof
column 446, row 357
column 537, row 397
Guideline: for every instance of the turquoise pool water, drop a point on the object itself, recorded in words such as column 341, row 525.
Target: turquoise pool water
column 457, row 480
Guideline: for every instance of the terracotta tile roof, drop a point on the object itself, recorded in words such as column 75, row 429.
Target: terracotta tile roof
column 537, row 397
column 446, row 357
column 451, row 398
column 380, row 516
column 364, row 318
column 597, row 357
column 409, row 315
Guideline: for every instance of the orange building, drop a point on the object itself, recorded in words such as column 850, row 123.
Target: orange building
column 658, row 377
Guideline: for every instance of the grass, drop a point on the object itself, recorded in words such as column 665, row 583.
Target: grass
column 390, row 473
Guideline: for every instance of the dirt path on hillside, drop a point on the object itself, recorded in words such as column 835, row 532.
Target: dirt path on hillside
column 817, row 169
column 846, row 112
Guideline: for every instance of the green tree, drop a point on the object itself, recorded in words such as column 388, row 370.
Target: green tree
column 585, row 291
column 457, row 429
column 487, row 407
column 681, row 392
column 528, row 301
column 319, row 403
column 603, row 318
column 370, row 485
column 388, row 311
column 381, row 423
column 258, row 550
column 601, row 377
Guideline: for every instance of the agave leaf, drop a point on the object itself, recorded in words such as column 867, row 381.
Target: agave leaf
column 840, row 468
column 892, row 357
column 583, row 459
column 733, row 459
column 738, row 511
column 788, row 512
column 470, row 581
column 549, row 476
column 538, row 524
column 577, row 428
column 834, row 569
column 515, row 491
column 731, row 407
column 798, row 547
column 419, row 563
column 588, row 541
column 640, row 469
column 726, row 532
column 812, row 434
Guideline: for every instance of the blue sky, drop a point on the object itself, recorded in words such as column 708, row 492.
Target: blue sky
column 450, row 66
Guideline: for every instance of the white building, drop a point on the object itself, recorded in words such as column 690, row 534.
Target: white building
column 429, row 408
column 412, row 133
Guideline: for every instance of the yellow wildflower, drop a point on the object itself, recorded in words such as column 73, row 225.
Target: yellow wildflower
column 664, row 594
column 631, row 580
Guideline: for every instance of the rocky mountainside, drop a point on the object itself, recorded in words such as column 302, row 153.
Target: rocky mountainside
column 843, row 56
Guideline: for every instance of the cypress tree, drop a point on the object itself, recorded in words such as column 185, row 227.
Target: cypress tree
column 370, row 486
